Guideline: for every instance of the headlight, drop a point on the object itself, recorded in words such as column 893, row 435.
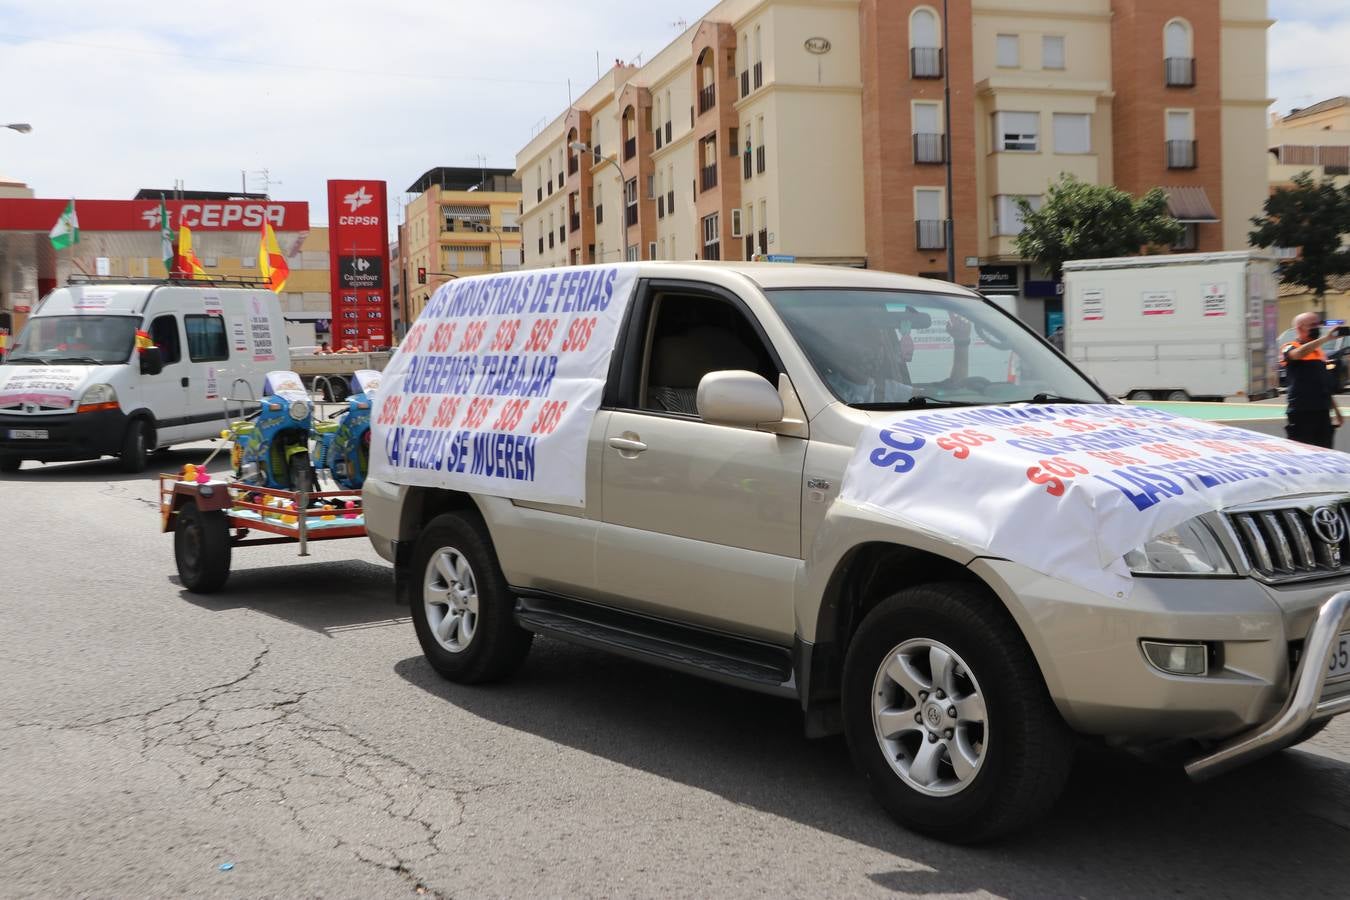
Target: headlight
column 99, row 393
column 299, row 409
column 1188, row 549
column 97, row 397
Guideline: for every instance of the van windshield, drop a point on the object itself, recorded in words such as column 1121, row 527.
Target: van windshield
column 75, row 340
column 900, row 349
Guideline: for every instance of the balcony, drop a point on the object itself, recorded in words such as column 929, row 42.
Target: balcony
column 550, row 187
column 745, row 83
column 759, row 75
column 630, row 216
column 670, row 203
column 629, row 148
column 660, row 138
column 562, row 234
column 747, row 167
column 550, row 240
column 925, row 62
column 667, row 132
column 661, row 207
column 930, row 234
column 1180, row 154
column 759, row 160
column 575, row 221
column 707, row 98
column 708, row 177
column 929, row 148
column 1179, row 71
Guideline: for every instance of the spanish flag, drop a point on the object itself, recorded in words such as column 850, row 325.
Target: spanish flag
column 187, row 263
column 271, row 261
column 143, row 341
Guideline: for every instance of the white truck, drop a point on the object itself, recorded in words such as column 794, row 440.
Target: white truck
column 1189, row 326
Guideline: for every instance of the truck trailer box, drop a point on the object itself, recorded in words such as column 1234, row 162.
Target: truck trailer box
column 1187, row 326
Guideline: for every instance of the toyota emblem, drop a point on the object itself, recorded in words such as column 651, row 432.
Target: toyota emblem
column 1328, row 524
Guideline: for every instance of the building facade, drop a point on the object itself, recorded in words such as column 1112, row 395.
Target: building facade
column 1314, row 139
column 819, row 131
column 462, row 221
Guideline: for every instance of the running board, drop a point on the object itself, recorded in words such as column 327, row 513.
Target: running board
column 731, row 660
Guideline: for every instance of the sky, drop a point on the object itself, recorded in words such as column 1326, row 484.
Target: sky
column 124, row 95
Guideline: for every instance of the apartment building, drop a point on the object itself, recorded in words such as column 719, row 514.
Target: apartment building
column 1314, row 139
column 819, row 131
column 462, row 221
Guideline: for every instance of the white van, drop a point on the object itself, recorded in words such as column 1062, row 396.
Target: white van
column 75, row 385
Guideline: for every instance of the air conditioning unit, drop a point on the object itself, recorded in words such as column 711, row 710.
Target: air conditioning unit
column 736, row 223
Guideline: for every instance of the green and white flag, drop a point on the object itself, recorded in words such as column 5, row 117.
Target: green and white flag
column 165, row 236
column 66, row 231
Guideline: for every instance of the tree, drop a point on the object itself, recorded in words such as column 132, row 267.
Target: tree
column 1090, row 221
column 1311, row 216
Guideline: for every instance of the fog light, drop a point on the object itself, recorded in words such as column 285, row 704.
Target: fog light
column 1177, row 659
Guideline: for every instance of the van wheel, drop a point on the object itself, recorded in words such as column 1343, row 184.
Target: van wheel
column 1177, row 396
column 462, row 608
column 9, row 464
column 1139, row 395
column 135, row 447
column 947, row 717
column 201, row 548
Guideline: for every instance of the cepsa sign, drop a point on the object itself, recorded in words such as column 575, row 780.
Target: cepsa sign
column 358, row 253
column 30, row 214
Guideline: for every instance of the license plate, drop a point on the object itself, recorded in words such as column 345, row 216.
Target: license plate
column 29, row 434
column 1339, row 666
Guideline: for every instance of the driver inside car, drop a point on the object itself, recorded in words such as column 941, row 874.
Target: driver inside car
column 877, row 368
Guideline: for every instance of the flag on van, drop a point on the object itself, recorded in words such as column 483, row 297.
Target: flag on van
column 66, row 231
column 165, row 236
column 271, row 261
column 187, row 262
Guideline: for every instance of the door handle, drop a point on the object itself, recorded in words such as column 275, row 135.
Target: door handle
column 184, row 381
column 627, row 445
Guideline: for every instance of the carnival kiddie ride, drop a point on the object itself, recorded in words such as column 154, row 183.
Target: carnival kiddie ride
column 272, row 496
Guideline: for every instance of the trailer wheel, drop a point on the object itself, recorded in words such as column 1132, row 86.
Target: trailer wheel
column 201, row 548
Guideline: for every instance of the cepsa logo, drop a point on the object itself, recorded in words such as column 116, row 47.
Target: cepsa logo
column 221, row 215
column 358, row 220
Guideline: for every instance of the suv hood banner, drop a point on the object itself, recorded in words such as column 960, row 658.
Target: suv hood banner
column 1069, row 490
column 495, row 387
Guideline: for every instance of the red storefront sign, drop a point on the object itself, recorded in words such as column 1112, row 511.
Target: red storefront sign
column 358, row 253
column 32, row 214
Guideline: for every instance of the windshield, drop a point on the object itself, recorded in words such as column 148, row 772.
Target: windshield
column 80, row 340
column 895, row 349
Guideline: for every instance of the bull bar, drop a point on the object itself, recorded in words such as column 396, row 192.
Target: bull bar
column 1302, row 706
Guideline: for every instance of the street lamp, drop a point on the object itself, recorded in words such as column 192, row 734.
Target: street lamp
column 585, row 148
column 20, row 127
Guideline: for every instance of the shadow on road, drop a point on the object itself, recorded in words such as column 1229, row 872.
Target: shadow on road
column 108, row 469
column 331, row 598
column 1280, row 827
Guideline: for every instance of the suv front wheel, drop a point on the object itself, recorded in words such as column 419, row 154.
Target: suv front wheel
column 948, row 718
column 462, row 608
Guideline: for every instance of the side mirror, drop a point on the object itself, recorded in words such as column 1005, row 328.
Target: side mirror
column 152, row 361
column 737, row 397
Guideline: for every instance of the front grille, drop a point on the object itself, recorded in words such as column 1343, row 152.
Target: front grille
column 1283, row 542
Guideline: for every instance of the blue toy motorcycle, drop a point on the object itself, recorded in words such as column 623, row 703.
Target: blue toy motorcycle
column 271, row 447
column 342, row 447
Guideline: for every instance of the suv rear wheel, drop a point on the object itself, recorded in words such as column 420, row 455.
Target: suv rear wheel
column 948, row 718
column 462, row 608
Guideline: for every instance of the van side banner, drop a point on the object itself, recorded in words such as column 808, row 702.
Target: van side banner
column 1069, row 490
column 496, row 385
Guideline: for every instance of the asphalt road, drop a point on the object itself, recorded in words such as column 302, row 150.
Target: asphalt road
column 289, row 727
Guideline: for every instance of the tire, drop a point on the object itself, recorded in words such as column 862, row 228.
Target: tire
column 1139, row 395
column 461, row 605
column 301, row 473
column 135, row 447
column 1014, row 748
column 1177, row 396
column 9, row 464
column 201, row 548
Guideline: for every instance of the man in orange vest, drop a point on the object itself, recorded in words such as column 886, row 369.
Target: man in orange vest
column 1312, row 397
